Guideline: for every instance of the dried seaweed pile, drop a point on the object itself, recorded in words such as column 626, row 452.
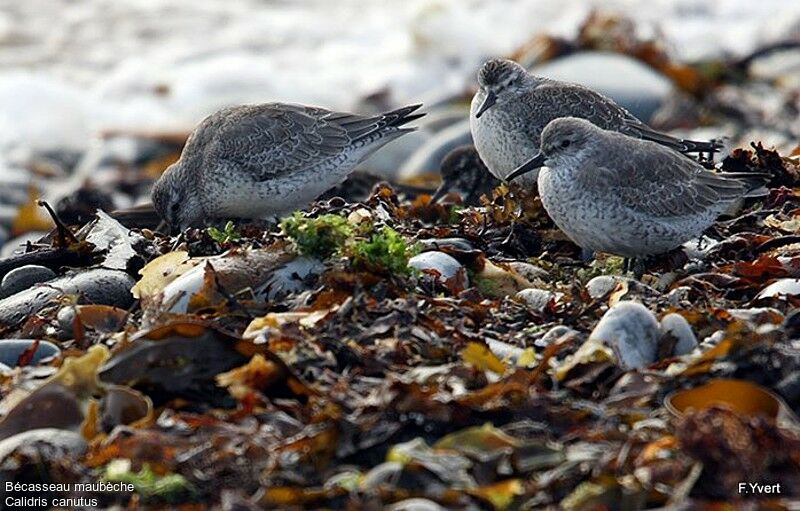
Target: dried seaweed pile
column 395, row 352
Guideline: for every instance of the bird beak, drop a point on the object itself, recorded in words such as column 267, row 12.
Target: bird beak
column 490, row 100
column 441, row 191
column 531, row 165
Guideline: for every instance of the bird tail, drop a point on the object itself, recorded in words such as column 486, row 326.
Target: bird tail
column 678, row 144
column 755, row 182
column 694, row 146
column 360, row 127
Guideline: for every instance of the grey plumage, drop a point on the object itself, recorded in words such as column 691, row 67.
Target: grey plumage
column 512, row 107
column 258, row 161
column 618, row 194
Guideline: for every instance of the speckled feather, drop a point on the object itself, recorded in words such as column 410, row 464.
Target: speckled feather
column 508, row 133
column 622, row 195
column 256, row 161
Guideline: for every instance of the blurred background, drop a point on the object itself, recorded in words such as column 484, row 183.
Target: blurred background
column 97, row 96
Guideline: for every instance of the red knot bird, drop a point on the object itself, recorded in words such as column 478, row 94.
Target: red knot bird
column 613, row 193
column 264, row 161
column 512, row 107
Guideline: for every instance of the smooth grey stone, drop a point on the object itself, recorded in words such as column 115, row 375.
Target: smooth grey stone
column 67, row 443
column 600, row 286
column 24, row 277
column 677, row 326
column 17, row 245
column 632, row 332
column 536, row 299
column 446, row 265
column 632, row 84
column 96, row 285
column 11, row 349
column 428, row 158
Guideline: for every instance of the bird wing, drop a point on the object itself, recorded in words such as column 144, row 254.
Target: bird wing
column 605, row 113
column 659, row 181
column 273, row 139
column 566, row 99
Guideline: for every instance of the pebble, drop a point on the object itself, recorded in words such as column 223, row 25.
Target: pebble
column 16, row 246
column 536, row 299
column 96, row 285
column 677, row 326
column 600, row 286
column 11, row 349
column 66, row 443
column 632, row 332
column 23, row 278
column 446, row 265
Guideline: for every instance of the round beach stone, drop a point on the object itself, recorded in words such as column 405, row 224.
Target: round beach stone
column 24, row 277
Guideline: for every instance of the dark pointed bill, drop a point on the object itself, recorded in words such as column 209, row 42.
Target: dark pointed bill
column 529, row 166
column 490, row 100
column 441, row 191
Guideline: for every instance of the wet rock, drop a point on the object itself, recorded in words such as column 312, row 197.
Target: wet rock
column 24, row 277
column 627, row 81
column 781, row 287
column 445, row 265
column 96, row 285
column 536, row 299
column 17, row 245
column 65, row 443
column 632, row 332
column 11, row 349
column 122, row 246
column 676, row 325
column 428, row 158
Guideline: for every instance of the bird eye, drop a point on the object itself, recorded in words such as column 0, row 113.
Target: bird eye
column 175, row 207
column 565, row 143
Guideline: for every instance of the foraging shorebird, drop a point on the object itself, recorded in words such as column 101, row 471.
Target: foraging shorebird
column 512, row 107
column 463, row 170
column 261, row 161
column 613, row 193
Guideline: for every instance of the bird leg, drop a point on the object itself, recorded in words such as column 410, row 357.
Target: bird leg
column 587, row 255
column 638, row 267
